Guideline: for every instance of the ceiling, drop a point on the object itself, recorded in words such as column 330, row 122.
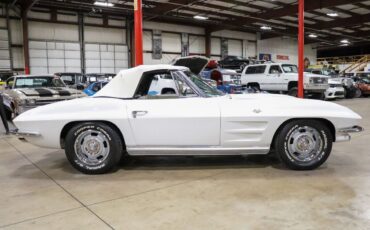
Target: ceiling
column 351, row 23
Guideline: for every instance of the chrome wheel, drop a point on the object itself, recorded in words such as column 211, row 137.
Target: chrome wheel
column 92, row 147
column 305, row 145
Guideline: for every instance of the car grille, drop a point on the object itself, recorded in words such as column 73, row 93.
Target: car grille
column 340, row 93
column 45, row 102
column 319, row 80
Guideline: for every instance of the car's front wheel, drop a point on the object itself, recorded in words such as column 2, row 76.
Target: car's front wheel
column 93, row 147
column 304, row 144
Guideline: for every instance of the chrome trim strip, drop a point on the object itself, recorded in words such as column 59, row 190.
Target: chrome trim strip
column 208, row 150
column 354, row 129
column 25, row 133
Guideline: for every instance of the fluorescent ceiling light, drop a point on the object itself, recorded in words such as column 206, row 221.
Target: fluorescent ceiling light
column 106, row 4
column 332, row 14
column 344, row 41
column 200, row 17
column 265, row 28
column 312, row 35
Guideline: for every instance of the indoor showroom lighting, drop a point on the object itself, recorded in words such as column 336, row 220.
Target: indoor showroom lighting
column 265, row 28
column 107, row 4
column 312, row 35
column 332, row 14
column 200, row 17
column 344, row 41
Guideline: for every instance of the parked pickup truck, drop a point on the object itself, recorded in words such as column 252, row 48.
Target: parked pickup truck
column 277, row 77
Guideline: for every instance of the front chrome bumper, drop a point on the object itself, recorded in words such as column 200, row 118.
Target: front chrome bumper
column 343, row 134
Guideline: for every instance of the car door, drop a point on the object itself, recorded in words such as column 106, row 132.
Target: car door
column 174, row 120
column 274, row 79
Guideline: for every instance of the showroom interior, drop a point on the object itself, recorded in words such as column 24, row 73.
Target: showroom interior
column 184, row 114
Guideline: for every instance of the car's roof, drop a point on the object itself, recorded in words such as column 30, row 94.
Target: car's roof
column 126, row 81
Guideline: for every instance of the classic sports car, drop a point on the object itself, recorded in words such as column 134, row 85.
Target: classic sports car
column 73, row 80
column 24, row 92
column 97, row 131
column 234, row 62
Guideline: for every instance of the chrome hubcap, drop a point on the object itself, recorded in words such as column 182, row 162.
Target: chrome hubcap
column 92, row 147
column 305, row 144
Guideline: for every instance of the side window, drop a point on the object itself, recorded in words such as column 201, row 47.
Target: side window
column 275, row 69
column 156, row 85
column 255, row 69
column 183, row 87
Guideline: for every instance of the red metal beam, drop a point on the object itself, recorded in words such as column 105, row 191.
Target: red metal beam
column 300, row 47
column 138, row 24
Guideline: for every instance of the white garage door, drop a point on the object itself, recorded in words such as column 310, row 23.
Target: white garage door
column 105, row 58
column 48, row 57
column 235, row 47
column 4, row 50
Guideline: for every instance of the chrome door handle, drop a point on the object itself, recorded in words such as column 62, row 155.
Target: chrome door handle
column 139, row 113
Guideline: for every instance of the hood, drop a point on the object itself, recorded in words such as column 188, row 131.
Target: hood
column 195, row 63
column 48, row 92
column 281, row 105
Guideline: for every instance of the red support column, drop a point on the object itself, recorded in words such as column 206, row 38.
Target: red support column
column 138, row 21
column 300, row 48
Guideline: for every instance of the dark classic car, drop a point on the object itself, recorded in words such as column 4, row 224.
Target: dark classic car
column 73, row 80
column 234, row 62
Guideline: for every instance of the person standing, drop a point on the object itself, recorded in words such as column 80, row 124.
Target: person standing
column 2, row 114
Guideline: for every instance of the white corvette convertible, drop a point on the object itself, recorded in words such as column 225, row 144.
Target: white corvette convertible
column 193, row 119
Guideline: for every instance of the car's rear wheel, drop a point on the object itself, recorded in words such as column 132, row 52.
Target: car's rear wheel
column 293, row 92
column 93, row 147
column 304, row 144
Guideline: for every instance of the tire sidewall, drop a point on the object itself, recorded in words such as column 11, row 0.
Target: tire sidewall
column 283, row 140
column 114, row 145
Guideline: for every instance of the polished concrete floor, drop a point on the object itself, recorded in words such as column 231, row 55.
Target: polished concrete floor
column 40, row 190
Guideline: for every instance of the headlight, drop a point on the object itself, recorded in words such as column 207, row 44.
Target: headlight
column 30, row 101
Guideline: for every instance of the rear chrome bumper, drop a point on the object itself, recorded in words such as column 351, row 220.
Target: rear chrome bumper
column 343, row 134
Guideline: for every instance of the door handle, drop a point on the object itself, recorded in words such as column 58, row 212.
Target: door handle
column 138, row 113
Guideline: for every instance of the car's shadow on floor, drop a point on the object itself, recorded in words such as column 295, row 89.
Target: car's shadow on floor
column 197, row 162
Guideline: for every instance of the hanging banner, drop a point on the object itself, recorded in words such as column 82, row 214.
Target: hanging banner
column 224, row 48
column 184, row 44
column 157, row 44
column 282, row 57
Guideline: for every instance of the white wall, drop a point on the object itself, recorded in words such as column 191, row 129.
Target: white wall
column 287, row 47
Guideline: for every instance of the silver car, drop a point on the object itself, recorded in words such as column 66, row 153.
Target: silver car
column 24, row 92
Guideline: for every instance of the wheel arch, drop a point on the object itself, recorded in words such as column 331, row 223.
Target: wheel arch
column 292, row 84
column 328, row 123
column 69, row 125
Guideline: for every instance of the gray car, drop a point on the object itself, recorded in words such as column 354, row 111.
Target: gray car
column 24, row 92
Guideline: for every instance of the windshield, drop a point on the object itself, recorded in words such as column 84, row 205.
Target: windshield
column 35, row 82
column 207, row 89
column 290, row 68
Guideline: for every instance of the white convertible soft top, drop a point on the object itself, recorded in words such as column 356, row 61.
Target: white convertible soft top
column 124, row 84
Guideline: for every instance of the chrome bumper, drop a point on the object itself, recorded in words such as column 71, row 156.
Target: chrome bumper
column 343, row 134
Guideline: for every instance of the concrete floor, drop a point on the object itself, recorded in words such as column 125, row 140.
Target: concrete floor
column 40, row 190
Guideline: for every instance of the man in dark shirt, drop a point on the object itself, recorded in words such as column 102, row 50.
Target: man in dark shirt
column 2, row 114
